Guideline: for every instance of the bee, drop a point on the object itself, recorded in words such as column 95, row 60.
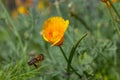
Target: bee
column 35, row 60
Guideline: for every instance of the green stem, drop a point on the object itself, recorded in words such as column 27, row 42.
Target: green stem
column 58, row 8
column 63, row 53
column 116, row 26
column 114, row 9
column 82, row 21
column 70, row 65
column 73, row 52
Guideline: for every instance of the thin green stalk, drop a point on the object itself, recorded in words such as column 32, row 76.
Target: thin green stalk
column 63, row 53
column 70, row 65
column 116, row 26
column 82, row 21
column 114, row 9
column 58, row 8
column 73, row 52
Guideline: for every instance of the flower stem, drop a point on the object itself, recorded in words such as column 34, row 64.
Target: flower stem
column 70, row 65
column 58, row 8
column 73, row 52
column 116, row 26
column 81, row 20
column 114, row 9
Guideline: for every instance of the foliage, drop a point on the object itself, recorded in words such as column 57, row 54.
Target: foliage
column 96, row 57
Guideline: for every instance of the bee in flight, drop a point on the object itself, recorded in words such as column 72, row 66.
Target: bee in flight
column 35, row 60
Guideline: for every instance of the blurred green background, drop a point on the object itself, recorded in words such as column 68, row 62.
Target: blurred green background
column 97, row 56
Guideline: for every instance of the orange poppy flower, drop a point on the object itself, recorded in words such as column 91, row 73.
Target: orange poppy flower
column 108, row 2
column 54, row 29
column 22, row 10
column 26, row 3
column 114, row 0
